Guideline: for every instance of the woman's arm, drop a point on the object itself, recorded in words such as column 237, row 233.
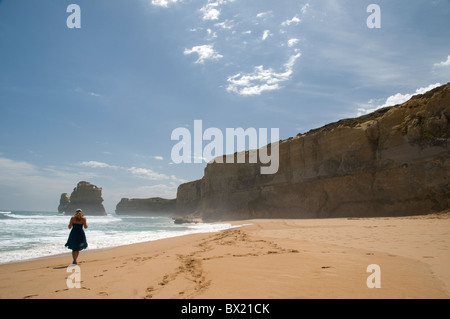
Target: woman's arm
column 85, row 222
column 70, row 224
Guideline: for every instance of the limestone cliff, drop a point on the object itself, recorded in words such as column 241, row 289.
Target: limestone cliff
column 85, row 196
column 146, row 206
column 392, row 162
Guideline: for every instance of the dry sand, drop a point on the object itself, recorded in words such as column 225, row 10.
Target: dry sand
column 289, row 259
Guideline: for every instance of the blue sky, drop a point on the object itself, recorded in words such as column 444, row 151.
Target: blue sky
column 99, row 103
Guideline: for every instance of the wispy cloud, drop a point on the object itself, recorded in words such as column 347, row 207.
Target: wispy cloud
column 210, row 11
column 240, row 29
column 147, row 173
column 266, row 34
column 264, row 14
column 20, row 179
column 139, row 172
column 305, row 8
column 95, row 164
column 295, row 20
column 94, row 94
column 261, row 80
column 163, row 3
column 227, row 24
column 443, row 63
column 292, row 42
column 205, row 52
column 13, row 168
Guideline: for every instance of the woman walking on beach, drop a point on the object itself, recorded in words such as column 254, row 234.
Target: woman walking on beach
column 77, row 238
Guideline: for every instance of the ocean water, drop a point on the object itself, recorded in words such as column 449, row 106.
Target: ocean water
column 28, row 235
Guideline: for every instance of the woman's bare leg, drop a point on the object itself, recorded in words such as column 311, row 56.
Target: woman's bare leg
column 75, row 256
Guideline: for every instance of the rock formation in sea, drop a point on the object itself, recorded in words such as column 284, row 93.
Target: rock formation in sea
column 146, row 206
column 85, row 196
column 64, row 202
column 392, row 162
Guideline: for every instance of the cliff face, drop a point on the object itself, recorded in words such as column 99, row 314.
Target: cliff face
column 392, row 162
column 146, row 206
column 85, row 196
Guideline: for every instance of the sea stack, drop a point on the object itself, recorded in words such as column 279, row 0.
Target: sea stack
column 86, row 196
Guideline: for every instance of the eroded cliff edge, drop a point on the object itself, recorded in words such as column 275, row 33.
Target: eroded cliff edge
column 392, row 162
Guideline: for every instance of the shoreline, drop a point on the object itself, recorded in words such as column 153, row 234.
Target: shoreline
column 48, row 253
column 265, row 258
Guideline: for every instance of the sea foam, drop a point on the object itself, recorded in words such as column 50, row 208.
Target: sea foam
column 28, row 235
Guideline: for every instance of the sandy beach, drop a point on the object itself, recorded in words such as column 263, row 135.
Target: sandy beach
column 267, row 259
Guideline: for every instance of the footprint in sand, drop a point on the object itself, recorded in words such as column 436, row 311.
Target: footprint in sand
column 149, row 292
column 62, row 290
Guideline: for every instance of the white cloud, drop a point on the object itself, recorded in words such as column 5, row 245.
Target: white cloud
column 136, row 171
column 205, row 52
column 41, row 187
column 80, row 90
column 11, row 168
column 211, row 34
column 294, row 20
column 261, row 79
column 210, row 11
column 393, row 100
column 443, row 63
column 218, row 22
column 147, row 173
column 95, row 164
column 292, row 42
column 305, row 8
column 264, row 14
column 163, row 3
column 140, row 172
column 227, row 24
